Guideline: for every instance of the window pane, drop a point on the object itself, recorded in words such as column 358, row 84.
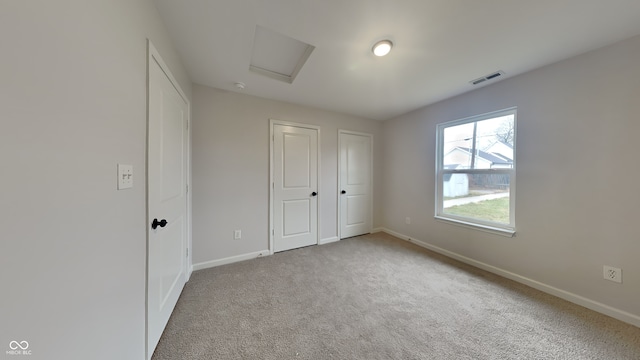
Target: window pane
column 457, row 142
column 486, row 144
column 477, row 196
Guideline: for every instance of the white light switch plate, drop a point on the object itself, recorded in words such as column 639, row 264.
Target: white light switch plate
column 125, row 176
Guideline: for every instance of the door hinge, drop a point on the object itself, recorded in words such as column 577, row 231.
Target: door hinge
column 187, row 252
column 273, row 232
column 187, row 187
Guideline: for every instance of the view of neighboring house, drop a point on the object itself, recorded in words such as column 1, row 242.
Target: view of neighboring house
column 461, row 157
column 502, row 149
column 498, row 155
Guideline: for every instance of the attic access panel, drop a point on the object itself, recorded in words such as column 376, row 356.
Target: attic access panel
column 278, row 56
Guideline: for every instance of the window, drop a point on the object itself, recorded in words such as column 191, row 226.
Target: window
column 475, row 171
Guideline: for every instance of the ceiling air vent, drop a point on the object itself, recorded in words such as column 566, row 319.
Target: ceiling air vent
column 488, row 77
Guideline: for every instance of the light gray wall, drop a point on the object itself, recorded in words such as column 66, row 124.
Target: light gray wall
column 577, row 192
column 231, row 169
column 73, row 248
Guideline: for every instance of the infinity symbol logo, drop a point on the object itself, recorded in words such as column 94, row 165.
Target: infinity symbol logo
column 23, row 345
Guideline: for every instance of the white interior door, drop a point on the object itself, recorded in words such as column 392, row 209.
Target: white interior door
column 355, row 184
column 167, row 200
column 295, row 187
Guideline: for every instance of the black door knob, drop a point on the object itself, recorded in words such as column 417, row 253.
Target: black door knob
column 156, row 223
column 314, row 193
column 343, row 192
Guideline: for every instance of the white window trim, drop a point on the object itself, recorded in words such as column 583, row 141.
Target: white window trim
column 477, row 226
column 508, row 230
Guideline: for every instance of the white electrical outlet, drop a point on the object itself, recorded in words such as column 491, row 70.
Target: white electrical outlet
column 237, row 234
column 612, row 274
column 407, row 220
column 125, row 176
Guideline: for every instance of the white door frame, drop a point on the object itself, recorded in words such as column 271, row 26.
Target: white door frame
column 154, row 55
column 272, row 123
column 339, row 202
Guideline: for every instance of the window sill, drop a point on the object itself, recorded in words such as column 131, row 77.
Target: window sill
column 485, row 228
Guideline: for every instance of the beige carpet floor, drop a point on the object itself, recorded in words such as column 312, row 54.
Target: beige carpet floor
column 378, row 297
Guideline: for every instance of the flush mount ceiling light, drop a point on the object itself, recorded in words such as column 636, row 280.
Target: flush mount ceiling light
column 382, row 48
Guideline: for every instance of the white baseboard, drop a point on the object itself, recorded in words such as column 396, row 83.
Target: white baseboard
column 377, row 230
column 229, row 260
column 328, row 240
column 574, row 298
